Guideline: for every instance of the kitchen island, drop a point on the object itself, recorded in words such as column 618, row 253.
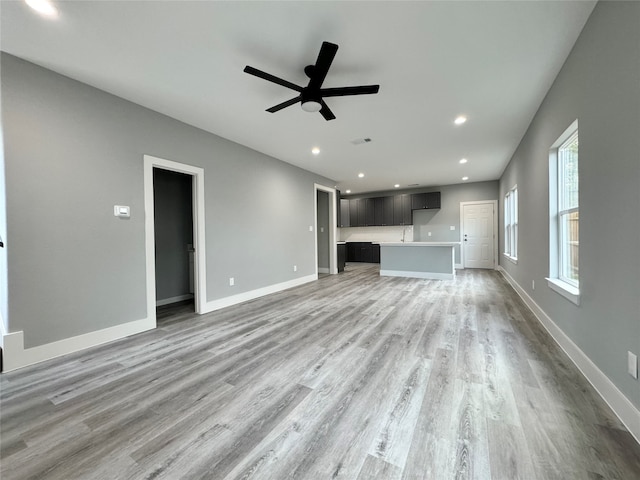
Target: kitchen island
column 433, row 260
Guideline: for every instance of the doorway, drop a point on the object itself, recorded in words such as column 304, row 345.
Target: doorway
column 322, row 231
column 192, row 255
column 479, row 234
column 326, row 230
column 173, row 227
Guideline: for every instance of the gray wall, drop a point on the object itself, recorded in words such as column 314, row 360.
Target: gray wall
column 323, row 229
column 72, row 152
column 600, row 86
column 173, row 219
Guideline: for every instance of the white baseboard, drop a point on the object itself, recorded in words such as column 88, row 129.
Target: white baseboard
column 323, row 270
column 179, row 298
column 427, row 275
column 619, row 403
column 458, row 266
column 16, row 356
column 253, row 294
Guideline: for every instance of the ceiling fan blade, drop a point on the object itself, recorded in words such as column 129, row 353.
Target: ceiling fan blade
column 326, row 112
column 271, row 78
column 282, row 105
column 343, row 91
column 325, row 58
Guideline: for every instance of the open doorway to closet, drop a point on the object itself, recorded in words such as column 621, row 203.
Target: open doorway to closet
column 174, row 252
column 174, row 242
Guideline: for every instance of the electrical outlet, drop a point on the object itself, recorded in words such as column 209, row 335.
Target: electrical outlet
column 452, row 227
column 232, row 281
column 428, row 234
column 533, row 284
column 632, row 365
column 311, row 228
column 295, row 268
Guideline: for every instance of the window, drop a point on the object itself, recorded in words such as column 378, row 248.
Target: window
column 564, row 215
column 511, row 224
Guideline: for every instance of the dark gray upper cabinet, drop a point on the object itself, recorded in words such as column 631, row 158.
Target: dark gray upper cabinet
column 425, row 200
column 353, row 212
column 344, row 220
column 402, row 214
column 366, row 212
column 383, row 211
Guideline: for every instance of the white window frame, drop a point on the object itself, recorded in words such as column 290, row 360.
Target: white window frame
column 511, row 225
column 567, row 287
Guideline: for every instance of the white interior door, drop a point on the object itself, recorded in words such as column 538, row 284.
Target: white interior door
column 478, row 239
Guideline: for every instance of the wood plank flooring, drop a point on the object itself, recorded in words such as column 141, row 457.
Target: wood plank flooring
column 355, row 376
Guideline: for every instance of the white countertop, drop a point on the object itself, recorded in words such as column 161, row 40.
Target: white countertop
column 418, row 244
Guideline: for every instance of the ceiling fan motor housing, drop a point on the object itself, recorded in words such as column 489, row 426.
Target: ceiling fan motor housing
column 310, row 100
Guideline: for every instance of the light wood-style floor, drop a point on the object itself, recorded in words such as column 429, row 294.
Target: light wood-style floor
column 352, row 377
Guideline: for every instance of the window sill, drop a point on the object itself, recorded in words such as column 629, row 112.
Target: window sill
column 569, row 292
column 511, row 259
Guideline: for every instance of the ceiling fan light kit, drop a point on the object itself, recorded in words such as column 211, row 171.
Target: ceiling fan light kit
column 311, row 97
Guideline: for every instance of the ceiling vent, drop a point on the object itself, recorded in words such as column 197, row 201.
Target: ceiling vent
column 360, row 141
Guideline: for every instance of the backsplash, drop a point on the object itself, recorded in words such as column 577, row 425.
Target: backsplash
column 376, row 234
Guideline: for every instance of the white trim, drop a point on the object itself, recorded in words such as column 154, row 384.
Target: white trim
column 199, row 243
column 568, row 291
column 323, row 270
column 619, row 403
column 169, row 301
column 458, row 266
column 427, row 275
column 495, row 229
column 253, row 294
column 510, row 258
column 333, row 227
column 16, row 356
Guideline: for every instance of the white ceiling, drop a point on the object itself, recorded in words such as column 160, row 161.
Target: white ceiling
column 492, row 61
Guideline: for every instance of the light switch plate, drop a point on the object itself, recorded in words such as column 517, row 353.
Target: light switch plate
column 452, row 227
column 122, row 211
column 632, row 365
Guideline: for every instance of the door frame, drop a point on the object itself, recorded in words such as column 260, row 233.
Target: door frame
column 199, row 243
column 495, row 229
column 333, row 227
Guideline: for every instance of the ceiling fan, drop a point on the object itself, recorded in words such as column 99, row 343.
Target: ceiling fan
column 311, row 97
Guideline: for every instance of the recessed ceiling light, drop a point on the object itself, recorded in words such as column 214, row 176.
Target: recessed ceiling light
column 463, row 160
column 347, row 191
column 460, row 120
column 360, row 175
column 464, row 179
column 397, row 185
column 44, row 7
column 315, row 150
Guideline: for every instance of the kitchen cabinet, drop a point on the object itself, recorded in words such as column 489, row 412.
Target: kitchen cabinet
column 383, row 211
column 402, row 213
column 421, row 201
column 345, row 218
column 342, row 256
column 353, row 212
column 366, row 212
column 366, row 252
